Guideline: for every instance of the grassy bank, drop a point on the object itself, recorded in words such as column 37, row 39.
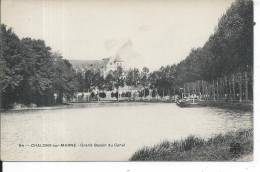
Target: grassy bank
column 229, row 147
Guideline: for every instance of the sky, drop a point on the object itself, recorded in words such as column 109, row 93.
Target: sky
column 147, row 33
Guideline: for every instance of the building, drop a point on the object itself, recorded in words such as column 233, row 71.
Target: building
column 104, row 65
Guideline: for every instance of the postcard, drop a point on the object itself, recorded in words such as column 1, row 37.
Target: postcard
column 131, row 80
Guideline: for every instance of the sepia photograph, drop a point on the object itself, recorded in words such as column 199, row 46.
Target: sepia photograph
column 127, row 80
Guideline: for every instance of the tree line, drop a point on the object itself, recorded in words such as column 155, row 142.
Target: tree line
column 228, row 50
column 31, row 73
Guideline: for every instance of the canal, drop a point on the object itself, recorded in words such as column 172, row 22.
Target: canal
column 112, row 131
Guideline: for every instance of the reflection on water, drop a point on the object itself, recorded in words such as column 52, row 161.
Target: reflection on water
column 133, row 124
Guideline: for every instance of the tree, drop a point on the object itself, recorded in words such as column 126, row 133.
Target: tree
column 144, row 77
column 64, row 78
column 81, row 81
column 228, row 50
column 109, row 81
column 133, row 77
column 36, row 86
column 10, row 58
column 119, row 79
column 164, row 79
column 31, row 73
column 98, row 80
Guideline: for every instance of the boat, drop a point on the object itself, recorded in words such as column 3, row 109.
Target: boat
column 189, row 101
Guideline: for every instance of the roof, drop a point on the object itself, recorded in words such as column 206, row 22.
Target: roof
column 89, row 64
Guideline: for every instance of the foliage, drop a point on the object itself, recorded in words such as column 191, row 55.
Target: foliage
column 102, row 95
column 119, row 79
column 164, row 78
column 228, row 50
column 133, row 77
column 109, row 82
column 93, row 79
column 144, row 77
column 31, row 73
column 230, row 146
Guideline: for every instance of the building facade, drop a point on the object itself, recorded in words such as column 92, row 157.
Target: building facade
column 104, row 65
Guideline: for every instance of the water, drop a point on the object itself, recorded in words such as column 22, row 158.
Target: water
column 133, row 125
